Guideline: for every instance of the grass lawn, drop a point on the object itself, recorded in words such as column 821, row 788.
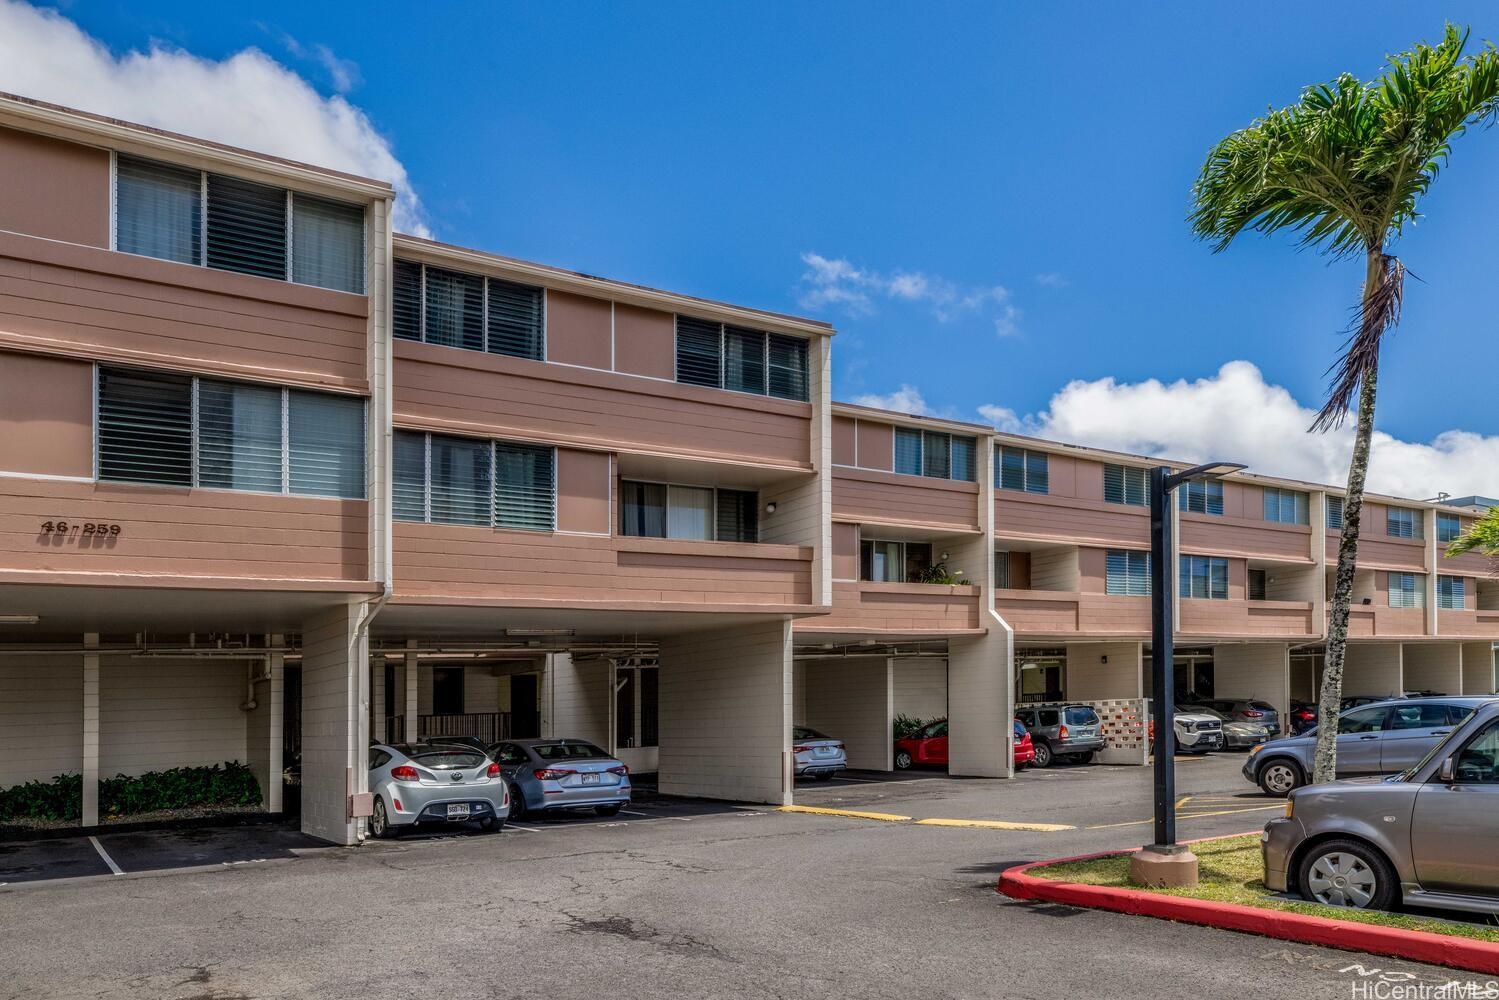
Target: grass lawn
column 1231, row 871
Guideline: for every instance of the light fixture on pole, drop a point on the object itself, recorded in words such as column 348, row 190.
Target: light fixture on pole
column 1165, row 862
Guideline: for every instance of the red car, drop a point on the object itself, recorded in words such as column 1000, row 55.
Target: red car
column 927, row 747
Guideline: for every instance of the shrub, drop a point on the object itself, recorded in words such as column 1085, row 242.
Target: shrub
column 907, row 725
column 229, row 784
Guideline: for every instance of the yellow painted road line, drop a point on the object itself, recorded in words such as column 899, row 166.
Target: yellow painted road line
column 1201, row 815
column 850, row 813
column 994, row 824
column 1183, row 801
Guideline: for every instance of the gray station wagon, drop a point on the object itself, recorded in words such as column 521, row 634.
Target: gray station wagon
column 1067, row 732
column 1386, row 737
column 1424, row 837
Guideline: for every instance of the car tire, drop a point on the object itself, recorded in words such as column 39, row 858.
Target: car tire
column 1279, row 776
column 490, row 824
column 517, row 803
column 903, row 760
column 1085, row 758
column 1347, row 873
column 611, row 810
column 1044, row 756
column 380, row 825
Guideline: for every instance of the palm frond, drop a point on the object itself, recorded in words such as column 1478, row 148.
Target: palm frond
column 1377, row 313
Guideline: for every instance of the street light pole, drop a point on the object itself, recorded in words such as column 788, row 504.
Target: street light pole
column 1165, row 862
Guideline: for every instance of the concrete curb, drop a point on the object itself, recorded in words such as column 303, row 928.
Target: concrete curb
column 1416, row 946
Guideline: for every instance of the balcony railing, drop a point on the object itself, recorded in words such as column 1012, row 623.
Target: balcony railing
column 491, row 727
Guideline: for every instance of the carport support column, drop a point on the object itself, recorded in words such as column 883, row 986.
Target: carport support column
column 725, row 706
column 91, row 731
column 413, row 677
column 980, row 711
column 276, row 697
column 333, row 764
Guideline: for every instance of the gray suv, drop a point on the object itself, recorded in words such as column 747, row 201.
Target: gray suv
column 1424, row 837
column 1383, row 738
column 1066, row 732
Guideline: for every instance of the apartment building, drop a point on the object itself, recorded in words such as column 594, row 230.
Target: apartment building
column 279, row 482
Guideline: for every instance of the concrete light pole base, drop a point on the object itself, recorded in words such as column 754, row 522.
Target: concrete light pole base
column 1158, row 866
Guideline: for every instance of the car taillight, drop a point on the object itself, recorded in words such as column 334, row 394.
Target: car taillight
column 1062, row 733
column 493, row 771
column 838, row 746
column 552, row 773
column 621, row 769
column 800, row 749
column 404, row 772
column 1252, row 714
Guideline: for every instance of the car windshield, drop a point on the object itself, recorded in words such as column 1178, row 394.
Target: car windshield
column 575, row 750
column 446, row 758
column 1211, row 713
column 803, row 733
column 1081, row 715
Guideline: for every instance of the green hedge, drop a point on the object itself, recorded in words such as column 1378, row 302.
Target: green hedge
column 907, row 725
column 228, row 784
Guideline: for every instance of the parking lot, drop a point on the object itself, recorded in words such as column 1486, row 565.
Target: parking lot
column 672, row 898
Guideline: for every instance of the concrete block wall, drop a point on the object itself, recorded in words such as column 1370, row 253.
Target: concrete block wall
column 1478, row 668
column 1259, row 670
column 1373, row 668
column 1089, row 678
column 725, row 706
column 161, row 713
column 853, row 701
column 980, row 706
column 263, row 733
column 576, row 698
column 334, row 761
column 41, row 717
column 1433, row 666
column 920, row 687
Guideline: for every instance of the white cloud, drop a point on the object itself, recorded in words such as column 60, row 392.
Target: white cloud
column 906, row 399
column 835, row 282
column 1051, row 279
column 1237, row 416
column 248, row 99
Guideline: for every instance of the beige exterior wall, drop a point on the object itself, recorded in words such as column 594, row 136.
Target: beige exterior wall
column 1434, row 666
column 980, row 706
column 1478, row 668
column 41, row 717
column 920, row 688
column 725, row 703
column 159, row 713
column 575, row 698
column 853, row 701
column 1058, row 569
column 1373, row 668
column 334, row 737
column 1089, row 678
column 1258, row 670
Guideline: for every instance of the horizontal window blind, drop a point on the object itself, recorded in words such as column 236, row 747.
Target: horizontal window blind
column 525, row 487
column 1407, row 590
column 325, row 445
column 738, row 516
column 1402, row 522
column 1334, row 512
column 1001, row 571
column 246, row 227
column 1127, row 573
column 908, row 452
column 145, row 427
column 936, row 455
column 516, row 323
column 239, row 437
column 964, row 458
column 406, row 300
column 327, row 243
column 158, row 210
column 1450, row 595
column 1204, row 577
column 460, row 481
column 1449, row 527
column 1286, row 506
column 409, row 471
column 1126, row 485
column 786, row 362
column 1201, row 496
column 455, row 309
column 744, row 360
column 699, row 352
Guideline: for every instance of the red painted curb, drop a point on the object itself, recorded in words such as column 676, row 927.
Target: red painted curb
column 1417, row 946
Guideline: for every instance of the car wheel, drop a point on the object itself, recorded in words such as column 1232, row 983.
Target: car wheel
column 1279, row 777
column 902, row 760
column 517, row 803
column 1043, row 757
column 1347, row 873
column 380, row 826
column 490, row 824
column 1085, row 758
column 610, row 810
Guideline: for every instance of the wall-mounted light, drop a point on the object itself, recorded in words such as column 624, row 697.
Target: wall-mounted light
column 1103, row 659
column 944, row 557
column 770, row 508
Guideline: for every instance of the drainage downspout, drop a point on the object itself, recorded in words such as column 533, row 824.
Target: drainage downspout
column 368, row 611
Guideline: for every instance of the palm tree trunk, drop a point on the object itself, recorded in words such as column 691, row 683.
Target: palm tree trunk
column 1326, row 759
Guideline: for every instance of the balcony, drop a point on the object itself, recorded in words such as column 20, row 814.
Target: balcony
column 1468, row 624
column 899, row 608
column 1207, row 534
column 1369, row 621
column 1233, row 619
column 1046, row 613
column 884, row 498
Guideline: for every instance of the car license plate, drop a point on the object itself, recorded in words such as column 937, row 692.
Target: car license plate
column 590, row 779
column 824, row 751
column 458, row 810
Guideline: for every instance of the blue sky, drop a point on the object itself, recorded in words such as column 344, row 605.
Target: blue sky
column 996, row 191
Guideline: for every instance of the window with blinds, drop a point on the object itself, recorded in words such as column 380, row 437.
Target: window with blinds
column 230, row 224
column 1204, row 578
column 723, row 356
column 245, row 437
column 1402, row 522
column 1407, row 590
column 1449, row 527
column 1001, row 571
column 692, row 513
column 908, row 452
column 327, row 243
column 406, row 300
column 1333, row 512
column 1021, row 469
column 1124, row 484
column 935, row 455
column 471, row 481
column 1127, row 573
column 1286, row 506
column 964, row 459
column 1450, row 593
column 454, row 309
column 516, row 318
column 1201, row 496
column 1257, row 584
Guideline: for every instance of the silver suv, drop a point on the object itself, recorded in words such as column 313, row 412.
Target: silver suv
column 1424, row 837
column 1383, row 738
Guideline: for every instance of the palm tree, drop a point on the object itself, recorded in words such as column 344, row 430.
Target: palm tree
column 1343, row 170
column 1482, row 534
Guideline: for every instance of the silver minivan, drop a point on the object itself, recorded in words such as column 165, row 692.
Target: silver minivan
column 1424, row 837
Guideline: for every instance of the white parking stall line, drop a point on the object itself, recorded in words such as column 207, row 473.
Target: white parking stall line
column 631, row 812
column 105, row 855
column 524, row 829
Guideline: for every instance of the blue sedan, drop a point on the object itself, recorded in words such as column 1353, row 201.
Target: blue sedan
column 557, row 774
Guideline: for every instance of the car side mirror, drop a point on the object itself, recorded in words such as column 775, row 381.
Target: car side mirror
column 1448, row 771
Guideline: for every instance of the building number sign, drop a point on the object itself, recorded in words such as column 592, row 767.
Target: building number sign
column 84, row 528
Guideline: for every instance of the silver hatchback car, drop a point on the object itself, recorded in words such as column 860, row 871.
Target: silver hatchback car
column 434, row 783
column 1424, row 837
